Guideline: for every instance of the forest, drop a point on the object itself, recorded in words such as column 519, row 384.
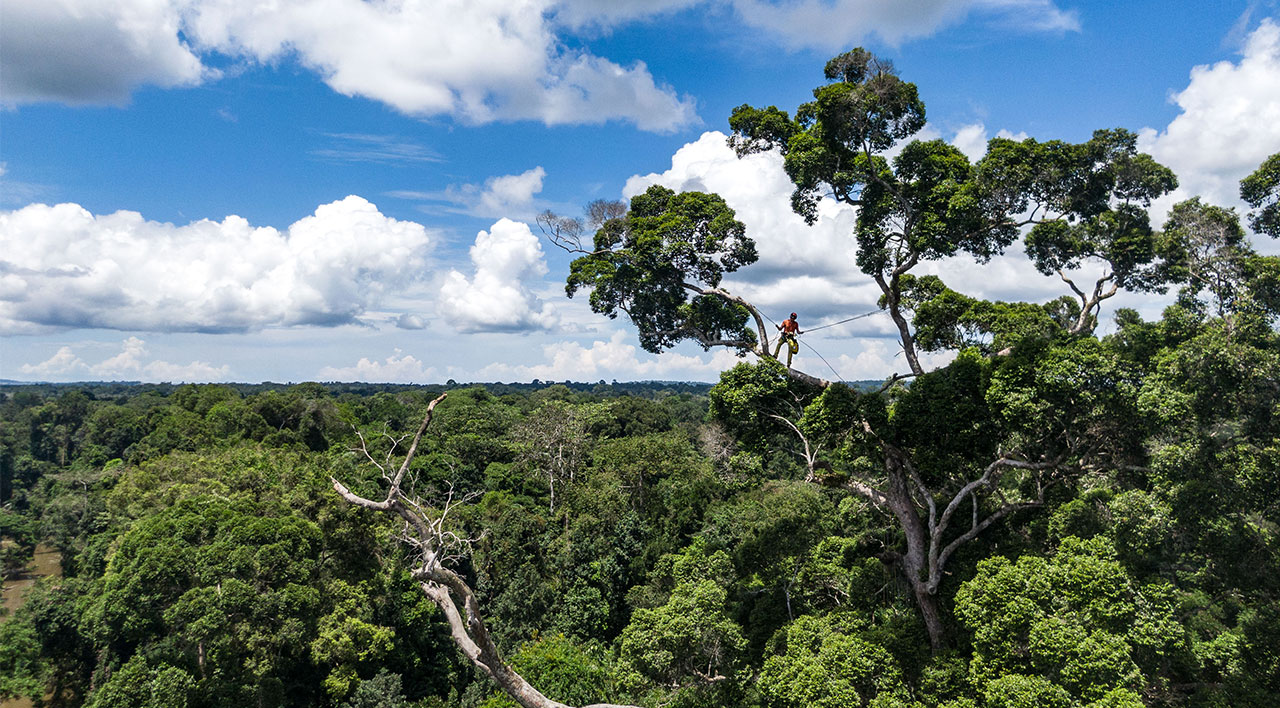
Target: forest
column 1080, row 510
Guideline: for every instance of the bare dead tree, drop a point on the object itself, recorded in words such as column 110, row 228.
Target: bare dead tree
column 436, row 547
column 1090, row 303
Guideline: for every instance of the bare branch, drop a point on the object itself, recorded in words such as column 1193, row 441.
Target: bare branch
column 426, row 530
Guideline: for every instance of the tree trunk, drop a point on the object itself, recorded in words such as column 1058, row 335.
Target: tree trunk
column 914, row 563
column 928, row 604
column 892, row 300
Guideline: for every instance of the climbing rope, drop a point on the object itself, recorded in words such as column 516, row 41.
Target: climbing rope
column 833, row 324
column 839, row 377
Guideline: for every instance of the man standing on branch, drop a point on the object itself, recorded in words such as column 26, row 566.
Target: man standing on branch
column 789, row 328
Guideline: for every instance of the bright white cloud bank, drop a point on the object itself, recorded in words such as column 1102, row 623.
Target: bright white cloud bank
column 91, row 51
column 610, row 359
column 496, row 297
column 397, row 368
column 131, row 364
column 478, row 60
column 1229, row 123
column 63, row 267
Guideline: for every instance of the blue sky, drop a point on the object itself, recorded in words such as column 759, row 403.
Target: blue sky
column 221, row 190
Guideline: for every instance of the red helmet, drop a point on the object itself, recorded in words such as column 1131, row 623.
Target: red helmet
column 793, row 315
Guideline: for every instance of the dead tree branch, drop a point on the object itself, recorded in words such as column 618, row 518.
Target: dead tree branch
column 437, row 546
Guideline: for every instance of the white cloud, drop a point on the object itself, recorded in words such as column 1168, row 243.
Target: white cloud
column 62, row 362
column 410, row 321
column 511, row 196
column 131, row 364
column 61, row 266
column 877, row 359
column 397, row 368
column 476, row 60
column 1228, row 124
column 972, row 139
column 611, row 359
column 92, row 51
column 497, row 298
column 606, row 13
column 838, row 24
column 759, row 191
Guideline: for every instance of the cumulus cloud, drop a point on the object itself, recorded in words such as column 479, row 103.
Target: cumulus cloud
column 876, row 359
column 92, row 51
column 410, row 321
column 614, row 358
column 501, row 196
column 496, row 298
column 63, row 267
column 63, row 361
column 131, row 363
column 1228, row 124
column 607, row 13
column 758, row 189
column 972, row 139
column 476, row 60
column 397, row 368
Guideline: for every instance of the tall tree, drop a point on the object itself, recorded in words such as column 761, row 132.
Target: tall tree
column 928, row 202
column 661, row 264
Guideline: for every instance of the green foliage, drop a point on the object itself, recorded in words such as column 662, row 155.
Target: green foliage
column 690, row 641
column 1018, row 691
column 1073, row 626
column 1261, row 190
column 946, row 319
column 749, row 396
column 825, row 662
column 138, row 683
column 563, row 671
column 1095, row 194
column 652, row 263
column 381, row 691
column 18, row 536
column 22, row 673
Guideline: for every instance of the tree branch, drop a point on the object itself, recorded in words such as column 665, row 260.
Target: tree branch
column 446, row 588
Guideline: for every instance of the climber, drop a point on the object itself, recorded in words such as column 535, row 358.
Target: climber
column 789, row 328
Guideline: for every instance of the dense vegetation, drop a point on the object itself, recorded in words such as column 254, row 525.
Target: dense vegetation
column 1064, row 516
column 209, row 562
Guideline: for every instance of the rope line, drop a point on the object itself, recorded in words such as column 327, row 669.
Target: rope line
column 839, row 376
column 849, row 319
